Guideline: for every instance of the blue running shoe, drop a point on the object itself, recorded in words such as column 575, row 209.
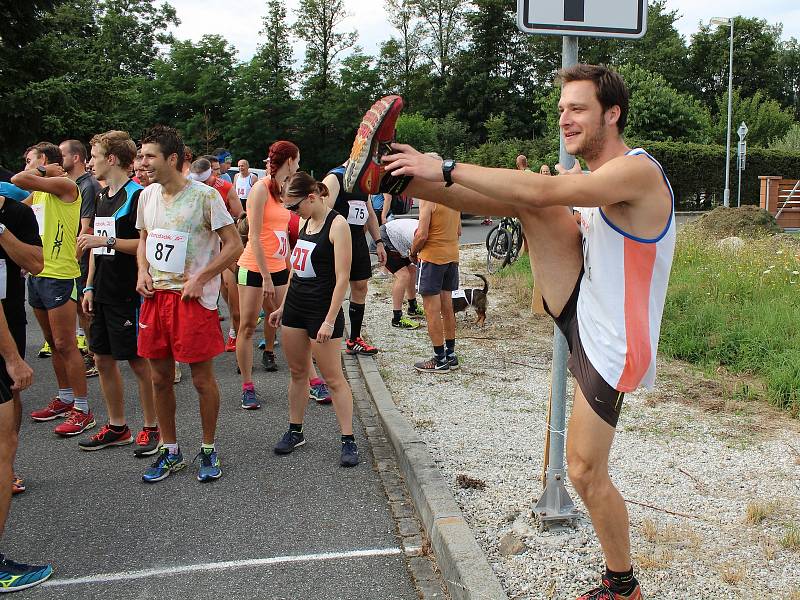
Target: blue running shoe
column 262, row 345
column 165, row 464
column 349, row 456
column 249, row 400
column 320, row 393
column 290, row 441
column 16, row 576
column 210, row 466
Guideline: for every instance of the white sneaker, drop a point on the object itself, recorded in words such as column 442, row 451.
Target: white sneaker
column 178, row 373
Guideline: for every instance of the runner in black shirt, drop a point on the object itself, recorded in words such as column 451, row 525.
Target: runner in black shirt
column 20, row 245
column 312, row 310
column 110, row 295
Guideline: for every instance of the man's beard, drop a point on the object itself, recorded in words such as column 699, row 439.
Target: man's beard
column 593, row 146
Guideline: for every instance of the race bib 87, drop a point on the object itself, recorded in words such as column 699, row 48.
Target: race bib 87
column 301, row 259
column 166, row 250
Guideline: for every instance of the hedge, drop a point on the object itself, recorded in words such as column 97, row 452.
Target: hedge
column 696, row 171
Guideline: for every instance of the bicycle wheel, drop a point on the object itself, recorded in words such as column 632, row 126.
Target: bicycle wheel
column 498, row 245
column 516, row 243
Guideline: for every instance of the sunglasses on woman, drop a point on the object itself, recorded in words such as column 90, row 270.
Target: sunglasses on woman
column 294, row 207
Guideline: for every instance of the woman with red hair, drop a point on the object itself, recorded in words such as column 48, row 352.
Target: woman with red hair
column 263, row 273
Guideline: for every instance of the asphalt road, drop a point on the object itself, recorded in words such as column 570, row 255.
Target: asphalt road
column 296, row 526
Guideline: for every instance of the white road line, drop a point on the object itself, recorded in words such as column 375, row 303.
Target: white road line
column 218, row 566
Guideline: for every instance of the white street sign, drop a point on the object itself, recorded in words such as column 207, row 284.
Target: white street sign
column 742, row 131
column 591, row 18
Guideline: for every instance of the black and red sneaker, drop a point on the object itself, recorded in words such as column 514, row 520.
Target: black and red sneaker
column 359, row 346
column 107, row 437
column 364, row 169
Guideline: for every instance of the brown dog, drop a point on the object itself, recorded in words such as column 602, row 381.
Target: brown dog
column 474, row 297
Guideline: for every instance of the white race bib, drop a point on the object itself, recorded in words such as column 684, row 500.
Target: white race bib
column 358, row 214
column 3, row 278
column 38, row 210
column 283, row 244
column 459, row 294
column 301, row 259
column 166, row 250
column 107, row 227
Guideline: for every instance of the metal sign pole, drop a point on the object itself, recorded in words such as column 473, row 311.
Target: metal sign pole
column 555, row 507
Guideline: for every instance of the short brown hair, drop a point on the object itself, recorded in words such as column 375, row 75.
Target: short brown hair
column 118, row 143
column 608, row 84
column 76, row 147
column 49, row 150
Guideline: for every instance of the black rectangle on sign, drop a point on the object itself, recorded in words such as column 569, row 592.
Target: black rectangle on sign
column 574, row 10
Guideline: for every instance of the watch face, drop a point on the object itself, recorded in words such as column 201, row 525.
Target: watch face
column 449, row 163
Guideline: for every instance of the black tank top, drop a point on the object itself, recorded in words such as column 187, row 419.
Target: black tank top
column 352, row 206
column 314, row 262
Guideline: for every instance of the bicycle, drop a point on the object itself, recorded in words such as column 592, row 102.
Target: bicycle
column 503, row 244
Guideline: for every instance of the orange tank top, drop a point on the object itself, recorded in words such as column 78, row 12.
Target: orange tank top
column 274, row 238
column 441, row 247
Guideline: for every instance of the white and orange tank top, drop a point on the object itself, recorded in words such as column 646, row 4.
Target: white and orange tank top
column 274, row 238
column 622, row 295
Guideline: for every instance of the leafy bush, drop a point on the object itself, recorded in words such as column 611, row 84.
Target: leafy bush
column 790, row 142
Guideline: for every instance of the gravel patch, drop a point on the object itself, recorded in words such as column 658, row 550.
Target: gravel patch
column 685, row 447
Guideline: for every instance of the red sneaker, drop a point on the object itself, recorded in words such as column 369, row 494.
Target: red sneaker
column 55, row 409
column 359, row 346
column 604, row 593
column 364, row 168
column 17, row 485
column 231, row 345
column 77, row 422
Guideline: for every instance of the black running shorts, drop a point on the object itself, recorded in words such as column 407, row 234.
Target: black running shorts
column 254, row 278
column 361, row 267
column 604, row 399
column 114, row 329
column 310, row 320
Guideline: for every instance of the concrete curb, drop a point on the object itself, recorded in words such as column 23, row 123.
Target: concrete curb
column 464, row 567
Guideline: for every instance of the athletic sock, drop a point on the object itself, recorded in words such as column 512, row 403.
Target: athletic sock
column 66, row 395
column 396, row 315
column 621, row 582
column 248, row 386
column 206, row 448
column 117, row 428
column 356, row 312
column 79, row 331
column 82, row 403
column 412, row 304
column 451, row 346
column 296, row 427
column 439, row 352
column 172, row 448
column 232, row 333
column 153, row 428
column 348, row 438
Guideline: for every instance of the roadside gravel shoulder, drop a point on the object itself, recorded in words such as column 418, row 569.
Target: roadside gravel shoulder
column 686, row 447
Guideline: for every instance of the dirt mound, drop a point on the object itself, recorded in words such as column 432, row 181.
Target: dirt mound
column 746, row 221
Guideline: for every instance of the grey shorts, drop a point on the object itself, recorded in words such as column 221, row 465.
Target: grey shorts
column 47, row 293
column 433, row 279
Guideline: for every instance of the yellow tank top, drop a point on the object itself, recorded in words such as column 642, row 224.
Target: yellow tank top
column 60, row 226
column 441, row 247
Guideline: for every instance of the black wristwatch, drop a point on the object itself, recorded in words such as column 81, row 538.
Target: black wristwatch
column 42, row 171
column 448, row 165
column 110, row 243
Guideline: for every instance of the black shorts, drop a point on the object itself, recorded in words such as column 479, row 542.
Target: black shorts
column 395, row 261
column 114, row 329
column 433, row 279
column 47, row 293
column 17, row 329
column 254, row 278
column 361, row 267
column 604, row 399
column 301, row 317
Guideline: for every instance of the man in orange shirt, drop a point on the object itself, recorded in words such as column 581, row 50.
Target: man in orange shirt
column 435, row 250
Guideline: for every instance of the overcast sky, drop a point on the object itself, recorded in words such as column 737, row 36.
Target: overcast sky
column 240, row 25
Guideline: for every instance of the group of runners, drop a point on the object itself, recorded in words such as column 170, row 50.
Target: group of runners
column 601, row 248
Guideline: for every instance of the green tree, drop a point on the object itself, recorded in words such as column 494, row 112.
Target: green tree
column 193, row 91
column 765, row 118
column 755, row 56
column 420, row 132
column 658, row 112
column 790, row 142
column 789, row 66
column 263, row 108
column 442, row 28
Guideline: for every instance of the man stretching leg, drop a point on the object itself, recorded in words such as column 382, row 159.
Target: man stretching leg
column 603, row 281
